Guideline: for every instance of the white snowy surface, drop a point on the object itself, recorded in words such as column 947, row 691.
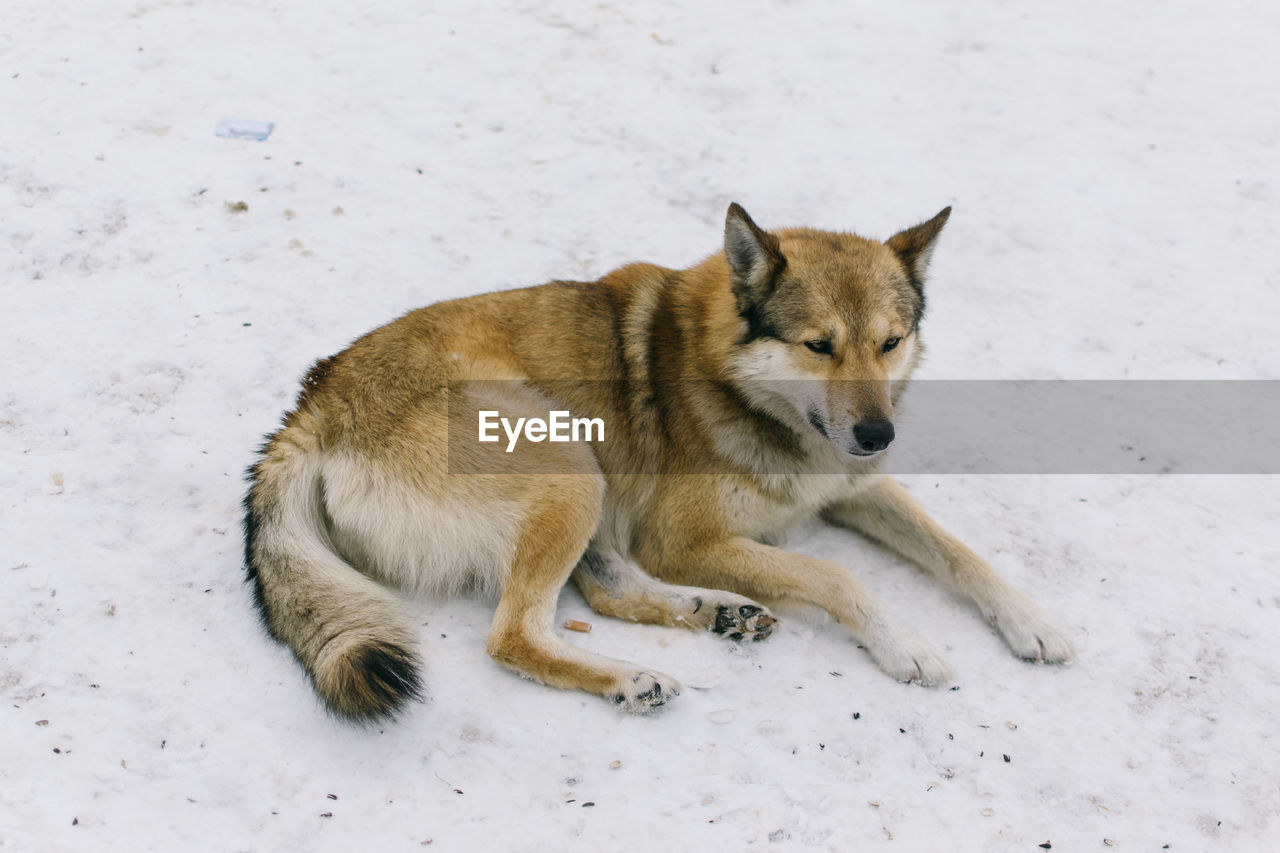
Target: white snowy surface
column 1113, row 172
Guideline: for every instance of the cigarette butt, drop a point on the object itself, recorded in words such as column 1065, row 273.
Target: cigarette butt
column 575, row 625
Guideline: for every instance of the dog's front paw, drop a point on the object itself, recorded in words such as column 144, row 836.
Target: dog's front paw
column 1033, row 634
column 907, row 656
column 743, row 621
column 645, row 692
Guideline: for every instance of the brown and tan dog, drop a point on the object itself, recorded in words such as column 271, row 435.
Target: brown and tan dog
column 736, row 398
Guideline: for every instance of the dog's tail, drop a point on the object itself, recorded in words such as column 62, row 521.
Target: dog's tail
column 350, row 633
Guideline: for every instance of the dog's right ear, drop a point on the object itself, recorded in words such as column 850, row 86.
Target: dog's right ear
column 755, row 258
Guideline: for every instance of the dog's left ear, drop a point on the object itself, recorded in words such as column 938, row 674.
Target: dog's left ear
column 755, row 258
column 914, row 246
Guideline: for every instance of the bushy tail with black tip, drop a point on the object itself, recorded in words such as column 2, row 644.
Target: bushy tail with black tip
column 350, row 633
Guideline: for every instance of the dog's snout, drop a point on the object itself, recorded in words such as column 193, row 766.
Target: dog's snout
column 873, row 436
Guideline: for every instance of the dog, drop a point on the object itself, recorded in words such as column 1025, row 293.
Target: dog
column 736, row 398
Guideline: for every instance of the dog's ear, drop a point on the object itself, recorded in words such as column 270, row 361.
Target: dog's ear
column 914, row 246
column 755, row 258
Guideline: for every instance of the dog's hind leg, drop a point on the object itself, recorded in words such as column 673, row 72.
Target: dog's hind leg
column 616, row 587
column 560, row 518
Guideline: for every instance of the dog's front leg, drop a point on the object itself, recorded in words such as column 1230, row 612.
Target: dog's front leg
column 761, row 571
column 886, row 511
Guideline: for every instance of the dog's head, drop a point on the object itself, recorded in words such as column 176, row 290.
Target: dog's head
column 829, row 325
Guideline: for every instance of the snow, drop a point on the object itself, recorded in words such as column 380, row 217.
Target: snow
column 1116, row 213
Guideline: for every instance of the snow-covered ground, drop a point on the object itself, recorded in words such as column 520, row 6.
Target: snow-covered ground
column 1112, row 168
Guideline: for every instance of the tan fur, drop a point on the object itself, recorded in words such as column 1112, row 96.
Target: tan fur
column 735, row 396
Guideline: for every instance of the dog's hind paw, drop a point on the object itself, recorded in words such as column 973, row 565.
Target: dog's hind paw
column 743, row 622
column 646, row 692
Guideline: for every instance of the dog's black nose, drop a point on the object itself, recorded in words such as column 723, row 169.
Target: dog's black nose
column 873, row 435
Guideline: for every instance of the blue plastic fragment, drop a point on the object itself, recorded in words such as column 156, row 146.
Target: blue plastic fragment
column 244, row 128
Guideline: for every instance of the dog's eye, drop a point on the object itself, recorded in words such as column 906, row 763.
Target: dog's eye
column 820, row 347
column 891, row 343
